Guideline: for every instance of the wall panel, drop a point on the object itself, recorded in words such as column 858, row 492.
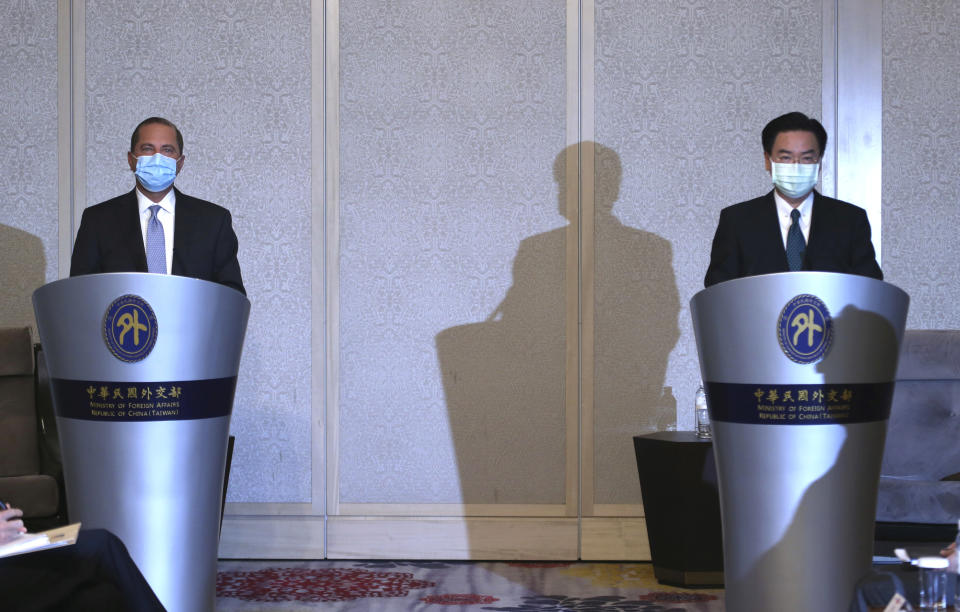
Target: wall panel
column 682, row 92
column 452, row 257
column 921, row 133
column 235, row 77
column 29, row 222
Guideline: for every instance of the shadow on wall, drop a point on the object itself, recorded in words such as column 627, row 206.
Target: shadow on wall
column 505, row 379
column 22, row 270
column 635, row 329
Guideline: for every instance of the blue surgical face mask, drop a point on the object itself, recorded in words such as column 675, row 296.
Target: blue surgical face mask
column 794, row 180
column 156, row 172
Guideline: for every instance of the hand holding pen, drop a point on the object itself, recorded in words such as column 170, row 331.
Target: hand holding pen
column 11, row 526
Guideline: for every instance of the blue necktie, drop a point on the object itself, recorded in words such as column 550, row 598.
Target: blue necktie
column 795, row 243
column 156, row 245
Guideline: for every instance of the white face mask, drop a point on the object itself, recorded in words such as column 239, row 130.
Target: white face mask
column 794, row 180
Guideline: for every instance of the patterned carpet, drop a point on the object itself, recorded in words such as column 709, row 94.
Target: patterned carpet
column 452, row 586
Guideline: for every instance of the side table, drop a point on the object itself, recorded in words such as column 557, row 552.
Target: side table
column 678, row 480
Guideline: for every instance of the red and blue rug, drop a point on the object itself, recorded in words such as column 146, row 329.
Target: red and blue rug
column 450, row 586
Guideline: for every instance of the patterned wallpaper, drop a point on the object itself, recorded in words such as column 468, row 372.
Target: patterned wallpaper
column 921, row 134
column 29, row 214
column 235, row 78
column 451, row 367
column 452, row 117
column 682, row 92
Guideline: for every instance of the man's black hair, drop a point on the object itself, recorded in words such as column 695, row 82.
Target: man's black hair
column 793, row 122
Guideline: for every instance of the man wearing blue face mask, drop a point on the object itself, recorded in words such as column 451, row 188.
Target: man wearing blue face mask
column 156, row 228
column 793, row 227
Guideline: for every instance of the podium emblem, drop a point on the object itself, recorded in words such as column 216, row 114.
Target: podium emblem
column 805, row 329
column 130, row 328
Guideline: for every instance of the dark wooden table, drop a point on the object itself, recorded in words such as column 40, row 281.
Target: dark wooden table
column 678, row 479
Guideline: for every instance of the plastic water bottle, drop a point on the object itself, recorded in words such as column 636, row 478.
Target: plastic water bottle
column 703, row 415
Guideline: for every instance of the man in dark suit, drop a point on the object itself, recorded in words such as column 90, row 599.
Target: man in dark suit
column 155, row 227
column 793, row 227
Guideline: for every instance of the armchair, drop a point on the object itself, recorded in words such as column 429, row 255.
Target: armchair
column 920, row 477
column 22, row 483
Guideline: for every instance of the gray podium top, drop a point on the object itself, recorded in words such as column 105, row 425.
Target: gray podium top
column 736, row 328
column 191, row 318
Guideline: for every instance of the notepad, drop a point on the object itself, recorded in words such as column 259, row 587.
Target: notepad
column 31, row 542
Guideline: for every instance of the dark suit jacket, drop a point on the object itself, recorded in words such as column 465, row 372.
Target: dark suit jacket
column 748, row 241
column 204, row 243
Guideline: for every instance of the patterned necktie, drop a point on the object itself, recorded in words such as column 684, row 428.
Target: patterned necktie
column 156, row 245
column 795, row 243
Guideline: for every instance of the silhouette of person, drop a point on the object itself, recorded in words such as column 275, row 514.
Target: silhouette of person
column 505, row 379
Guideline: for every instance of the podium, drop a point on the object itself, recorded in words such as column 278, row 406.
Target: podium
column 798, row 368
column 143, row 369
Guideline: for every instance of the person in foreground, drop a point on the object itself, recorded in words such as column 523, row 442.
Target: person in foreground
column 793, row 227
column 94, row 574
column 155, row 227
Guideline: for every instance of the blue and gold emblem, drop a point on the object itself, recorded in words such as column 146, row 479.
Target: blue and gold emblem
column 805, row 329
column 130, row 328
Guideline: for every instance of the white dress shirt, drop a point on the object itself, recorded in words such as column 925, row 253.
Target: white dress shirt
column 168, row 207
column 783, row 214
